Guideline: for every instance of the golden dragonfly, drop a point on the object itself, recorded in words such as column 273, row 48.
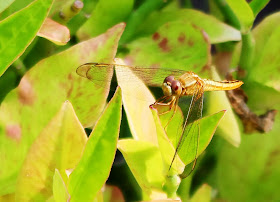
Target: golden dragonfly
column 177, row 84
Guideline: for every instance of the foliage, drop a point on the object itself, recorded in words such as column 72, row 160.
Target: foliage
column 45, row 152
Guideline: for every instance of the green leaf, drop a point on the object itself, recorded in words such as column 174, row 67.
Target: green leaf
column 145, row 162
column 266, row 53
column 136, row 101
column 217, row 31
column 208, row 127
column 228, row 127
column 176, row 45
column 243, row 12
column 40, row 94
column 203, row 194
column 105, row 14
column 165, row 141
column 252, row 167
column 5, row 4
column 136, row 18
column 258, row 5
column 19, row 29
column 60, row 192
column 59, row 146
column 94, row 167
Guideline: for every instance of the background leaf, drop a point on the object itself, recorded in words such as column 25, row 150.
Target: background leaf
column 243, row 12
column 54, row 32
column 172, row 46
column 20, row 29
column 105, row 14
column 216, row 30
column 5, row 4
column 94, row 168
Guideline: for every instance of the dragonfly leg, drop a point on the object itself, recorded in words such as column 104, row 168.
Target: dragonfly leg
column 170, row 104
column 174, row 111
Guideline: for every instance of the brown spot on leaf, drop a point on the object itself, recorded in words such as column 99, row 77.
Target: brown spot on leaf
column 26, row 92
column 181, row 38
column 156, row 36
column 14, row 132
column 163, row 44
column 70, row 77
column 190, row 42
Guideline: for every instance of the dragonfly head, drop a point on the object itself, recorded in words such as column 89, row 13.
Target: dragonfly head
column 171, row 86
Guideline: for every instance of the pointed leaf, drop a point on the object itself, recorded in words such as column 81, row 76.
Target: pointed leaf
column 165, row 145
column 41, row 92
column 94, row 167
column 243, row 12
column 60, row 192
column 60, row 146
column 19, row 29
column 208, row 127
column 136, row 101
column 258, row 5
column 55, row 32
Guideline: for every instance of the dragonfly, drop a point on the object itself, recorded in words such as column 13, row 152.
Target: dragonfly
column 175, row 84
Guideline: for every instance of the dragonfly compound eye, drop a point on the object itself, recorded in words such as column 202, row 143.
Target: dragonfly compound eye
column 176, row 87
column 168, row 79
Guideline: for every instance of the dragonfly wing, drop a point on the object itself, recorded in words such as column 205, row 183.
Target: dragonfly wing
column 188, row 142
column 150, row 75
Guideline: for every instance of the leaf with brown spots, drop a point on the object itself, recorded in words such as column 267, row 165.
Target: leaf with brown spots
column 175, row 45
column 217, row 31
column 42, row 91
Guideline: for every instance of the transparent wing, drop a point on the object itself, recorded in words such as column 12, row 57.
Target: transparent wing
column 188, row 142
column 151, row 76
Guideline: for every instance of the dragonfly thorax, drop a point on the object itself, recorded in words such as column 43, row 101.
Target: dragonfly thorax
column 171, row 86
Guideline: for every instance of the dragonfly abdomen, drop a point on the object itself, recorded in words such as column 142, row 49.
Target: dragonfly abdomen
column 211, row 85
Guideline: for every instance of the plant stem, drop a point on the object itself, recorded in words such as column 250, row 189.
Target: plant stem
column 228, row 13
column 247, row 51
column 137, row 18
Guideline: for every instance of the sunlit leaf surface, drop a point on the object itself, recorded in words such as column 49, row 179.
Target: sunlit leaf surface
column 136, row 100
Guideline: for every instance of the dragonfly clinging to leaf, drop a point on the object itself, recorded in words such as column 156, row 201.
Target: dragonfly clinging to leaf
column 176, row 84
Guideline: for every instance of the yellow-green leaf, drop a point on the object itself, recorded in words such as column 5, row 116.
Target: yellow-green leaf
column 59, row 146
